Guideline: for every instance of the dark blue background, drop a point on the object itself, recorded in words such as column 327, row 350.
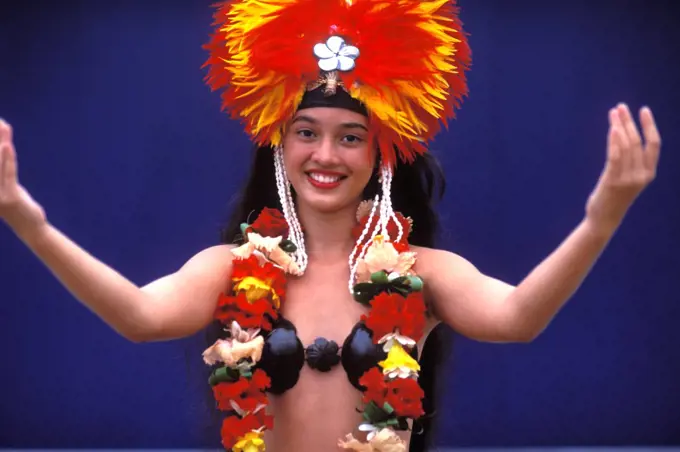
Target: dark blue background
column 122, row 143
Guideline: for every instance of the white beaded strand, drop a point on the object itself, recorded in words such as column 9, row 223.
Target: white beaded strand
column 289, row 212
column 386, row 211
column 387, row 195
column 381, row 203
column 298, row 235
column 399, row 227
column 384, row 205
column 354, row 262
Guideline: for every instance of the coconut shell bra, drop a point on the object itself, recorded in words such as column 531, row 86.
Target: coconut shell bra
column 263, row 355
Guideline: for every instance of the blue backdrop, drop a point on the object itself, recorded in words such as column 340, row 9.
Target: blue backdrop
column 124, row 146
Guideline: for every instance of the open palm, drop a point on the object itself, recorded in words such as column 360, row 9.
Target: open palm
column 17, row 207
column 631, row 166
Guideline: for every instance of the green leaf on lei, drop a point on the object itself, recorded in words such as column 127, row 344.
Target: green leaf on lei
column 366, row 291
column 376, row 415
column 223, row 375
column 379, row 277
column 287, row 246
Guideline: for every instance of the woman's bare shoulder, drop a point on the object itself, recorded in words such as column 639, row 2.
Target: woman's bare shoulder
column 217, row 255
column 434, row 256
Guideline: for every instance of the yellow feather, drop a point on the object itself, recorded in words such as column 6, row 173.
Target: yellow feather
column 272, row 106
column 427, row 8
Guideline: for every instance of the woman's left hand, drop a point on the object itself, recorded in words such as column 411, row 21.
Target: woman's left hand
column 630, row 168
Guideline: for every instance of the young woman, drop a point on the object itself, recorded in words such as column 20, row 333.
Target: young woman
column 328, row 283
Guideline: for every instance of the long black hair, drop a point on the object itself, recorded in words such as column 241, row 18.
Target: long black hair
column 416, row 188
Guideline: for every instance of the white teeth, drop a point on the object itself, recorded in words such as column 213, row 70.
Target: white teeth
column 324, row 179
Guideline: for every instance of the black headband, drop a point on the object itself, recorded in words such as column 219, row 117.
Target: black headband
column 341, row 99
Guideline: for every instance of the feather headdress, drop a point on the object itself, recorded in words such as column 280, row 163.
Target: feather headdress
column 404, row 60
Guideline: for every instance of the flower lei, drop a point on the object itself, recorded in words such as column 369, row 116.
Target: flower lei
column 385, row 283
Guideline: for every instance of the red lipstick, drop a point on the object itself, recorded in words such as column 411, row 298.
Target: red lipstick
column 325, row 184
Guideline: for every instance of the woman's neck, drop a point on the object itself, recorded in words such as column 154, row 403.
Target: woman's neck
column 328, row 235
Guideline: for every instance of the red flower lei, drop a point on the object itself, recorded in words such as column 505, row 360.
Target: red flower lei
column 248, row 394
column 402, row 394
column 270, row 223
column 257, row 294
column 392, row 311
column 234, row 427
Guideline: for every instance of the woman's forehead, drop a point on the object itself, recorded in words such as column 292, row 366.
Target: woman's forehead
column 330, row 116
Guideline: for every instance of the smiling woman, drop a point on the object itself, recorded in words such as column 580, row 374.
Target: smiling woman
column 319, row 321
column 327, row 288
column 307, row 318
column 328, row 158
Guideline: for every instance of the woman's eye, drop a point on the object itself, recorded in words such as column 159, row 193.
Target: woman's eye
column 353, row 139
column 305, row 133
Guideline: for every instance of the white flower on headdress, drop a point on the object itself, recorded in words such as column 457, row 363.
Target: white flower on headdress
column 335, row 55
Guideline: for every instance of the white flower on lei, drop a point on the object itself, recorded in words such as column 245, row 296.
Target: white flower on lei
column 242, row 344
column 392, row 338
column 267, row 249
column 382, row 440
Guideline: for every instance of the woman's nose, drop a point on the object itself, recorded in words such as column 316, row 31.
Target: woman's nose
column 326, row 153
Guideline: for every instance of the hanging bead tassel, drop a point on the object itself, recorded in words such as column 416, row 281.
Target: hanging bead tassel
column 384, row 205
column 289, row 211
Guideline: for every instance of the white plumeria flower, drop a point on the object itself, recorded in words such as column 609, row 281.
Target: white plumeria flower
column 335, row 55
column 392, row 276
column 241, row 335
column 400, row 372
column 370, row 428
column 391, row 338
column 236, row 333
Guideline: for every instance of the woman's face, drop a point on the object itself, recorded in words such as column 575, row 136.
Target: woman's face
column 328, row 157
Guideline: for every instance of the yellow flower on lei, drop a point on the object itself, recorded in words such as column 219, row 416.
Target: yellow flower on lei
column 399, row 363
column 250, row 442
column 256, row 289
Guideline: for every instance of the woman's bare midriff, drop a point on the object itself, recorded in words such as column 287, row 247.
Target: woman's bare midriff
column 322, row 407
column 315, row 414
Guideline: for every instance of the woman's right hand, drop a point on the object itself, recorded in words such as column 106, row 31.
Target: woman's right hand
column 17, row 208
column 173, row 306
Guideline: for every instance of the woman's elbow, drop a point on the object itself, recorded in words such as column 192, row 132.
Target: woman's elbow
column 525, row 333
column 140, row 329
column 139, row 335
